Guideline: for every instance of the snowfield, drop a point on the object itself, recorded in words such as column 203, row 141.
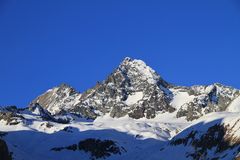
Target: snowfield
column 32, row 138
column 214, row 136
column 142, row 139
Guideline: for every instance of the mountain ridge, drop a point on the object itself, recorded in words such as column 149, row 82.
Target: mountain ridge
column 132, row 114
column 136, row 90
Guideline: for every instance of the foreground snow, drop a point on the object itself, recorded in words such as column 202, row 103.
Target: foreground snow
column 33, row 138
column 142, row 139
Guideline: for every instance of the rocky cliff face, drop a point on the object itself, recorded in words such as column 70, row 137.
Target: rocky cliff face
column 136, row 90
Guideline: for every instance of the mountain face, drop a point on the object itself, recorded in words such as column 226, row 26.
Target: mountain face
column 58, row 99
column 136, row 90
column 206, row 99
column 133, row 114
column 133, row 89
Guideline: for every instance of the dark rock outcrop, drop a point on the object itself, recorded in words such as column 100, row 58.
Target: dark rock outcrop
column 11, row 118
column 217, row 141
column 96, row 147
column 4, row 153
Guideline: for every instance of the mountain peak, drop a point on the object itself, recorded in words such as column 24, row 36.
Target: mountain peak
column 62, row 97
column 64, row 85
column 133, row 89
column 127, row 59
column 132, row 67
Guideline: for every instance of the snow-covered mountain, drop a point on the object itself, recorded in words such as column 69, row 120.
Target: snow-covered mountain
column 215, row 136
column 132, row 114
column 136, row 90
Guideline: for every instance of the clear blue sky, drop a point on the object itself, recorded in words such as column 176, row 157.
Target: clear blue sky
column 44, row 43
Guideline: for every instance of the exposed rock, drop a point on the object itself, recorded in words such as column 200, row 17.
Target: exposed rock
column 213, row 98
column 4, row 153
column 237, row 158
column 133, row 88
column 99, row 149
column 63, row 97
column 11, row 118
column 40, row 111
column 96, row 147
column 136, row 90
column 68, row 129
column 10, row 109
column 220, row 139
